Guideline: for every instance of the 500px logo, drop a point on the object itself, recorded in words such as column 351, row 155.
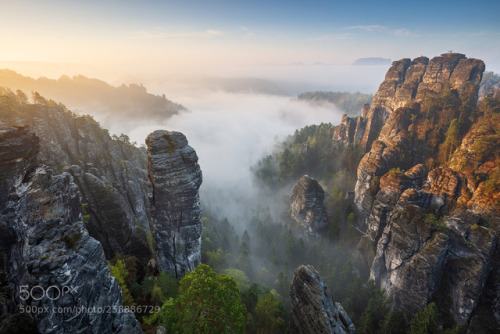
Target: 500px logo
column 38, row 292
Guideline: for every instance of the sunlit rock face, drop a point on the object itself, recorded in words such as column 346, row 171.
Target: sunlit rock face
column 392, row 138
column 48, row 246
column 174, row 178
column 313, row 309
column 408, row 80
column 307, row 206
column 414, row 256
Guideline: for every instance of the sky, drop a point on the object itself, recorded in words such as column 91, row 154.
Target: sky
column 241, row 37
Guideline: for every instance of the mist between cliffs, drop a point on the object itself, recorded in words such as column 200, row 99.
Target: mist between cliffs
column 230, row 133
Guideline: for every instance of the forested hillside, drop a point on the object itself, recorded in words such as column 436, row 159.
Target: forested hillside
column 126, row 103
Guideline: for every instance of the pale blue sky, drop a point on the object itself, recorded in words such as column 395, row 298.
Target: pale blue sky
column 197, row 34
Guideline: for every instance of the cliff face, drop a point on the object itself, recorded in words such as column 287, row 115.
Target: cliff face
column 410, row 80
column 307, row 206
column 18, row 150
column 174, row 178
column 313, row 309
column 405, row 138
column 110, row 173
column 48, row 246
column 420, row 192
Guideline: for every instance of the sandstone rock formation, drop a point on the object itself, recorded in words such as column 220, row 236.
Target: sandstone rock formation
column 174, row 178
column 307, row 206
column 110, row 173
column 18, row 150
column 395, row 145
column 409, row 80
column 350, row 130
column 48, row 246
column 431, row 228
column 490, row 85
column 313, row 309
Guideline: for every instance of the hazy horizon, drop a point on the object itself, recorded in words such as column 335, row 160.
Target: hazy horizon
column 127, row 41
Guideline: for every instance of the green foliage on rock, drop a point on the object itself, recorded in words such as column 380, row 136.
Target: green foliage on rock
column 451, row 142
column 434, row 223
column 395, row 172
column 119, row 272
column 492, row 184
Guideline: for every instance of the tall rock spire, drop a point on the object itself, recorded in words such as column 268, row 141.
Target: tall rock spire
column 174, row 178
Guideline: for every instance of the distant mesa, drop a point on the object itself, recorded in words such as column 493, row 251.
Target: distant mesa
column 372, row 61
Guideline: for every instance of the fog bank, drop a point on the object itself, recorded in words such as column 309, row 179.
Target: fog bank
column 230, row 133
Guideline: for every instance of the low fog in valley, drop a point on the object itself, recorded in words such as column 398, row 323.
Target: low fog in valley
column 233, row 122
column 230, row 133
column 232, row 116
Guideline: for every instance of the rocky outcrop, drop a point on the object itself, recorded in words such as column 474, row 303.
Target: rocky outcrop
column 391, row 186
column 313, row 309
column 476, row 161
column 411, row 80
column 403, row 141
column 350, row 130
column 50, row 253
column 490, row 85
column 431, row 227
column 174, row 178
column 18, row 150
column 307, row 207
column 419, row 256
column 110, row 173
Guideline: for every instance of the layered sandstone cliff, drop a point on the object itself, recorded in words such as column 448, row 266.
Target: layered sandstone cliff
column 174, row 178
column 49, row 260
column 430, row 227
column 110, row 173
column 409, row 80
